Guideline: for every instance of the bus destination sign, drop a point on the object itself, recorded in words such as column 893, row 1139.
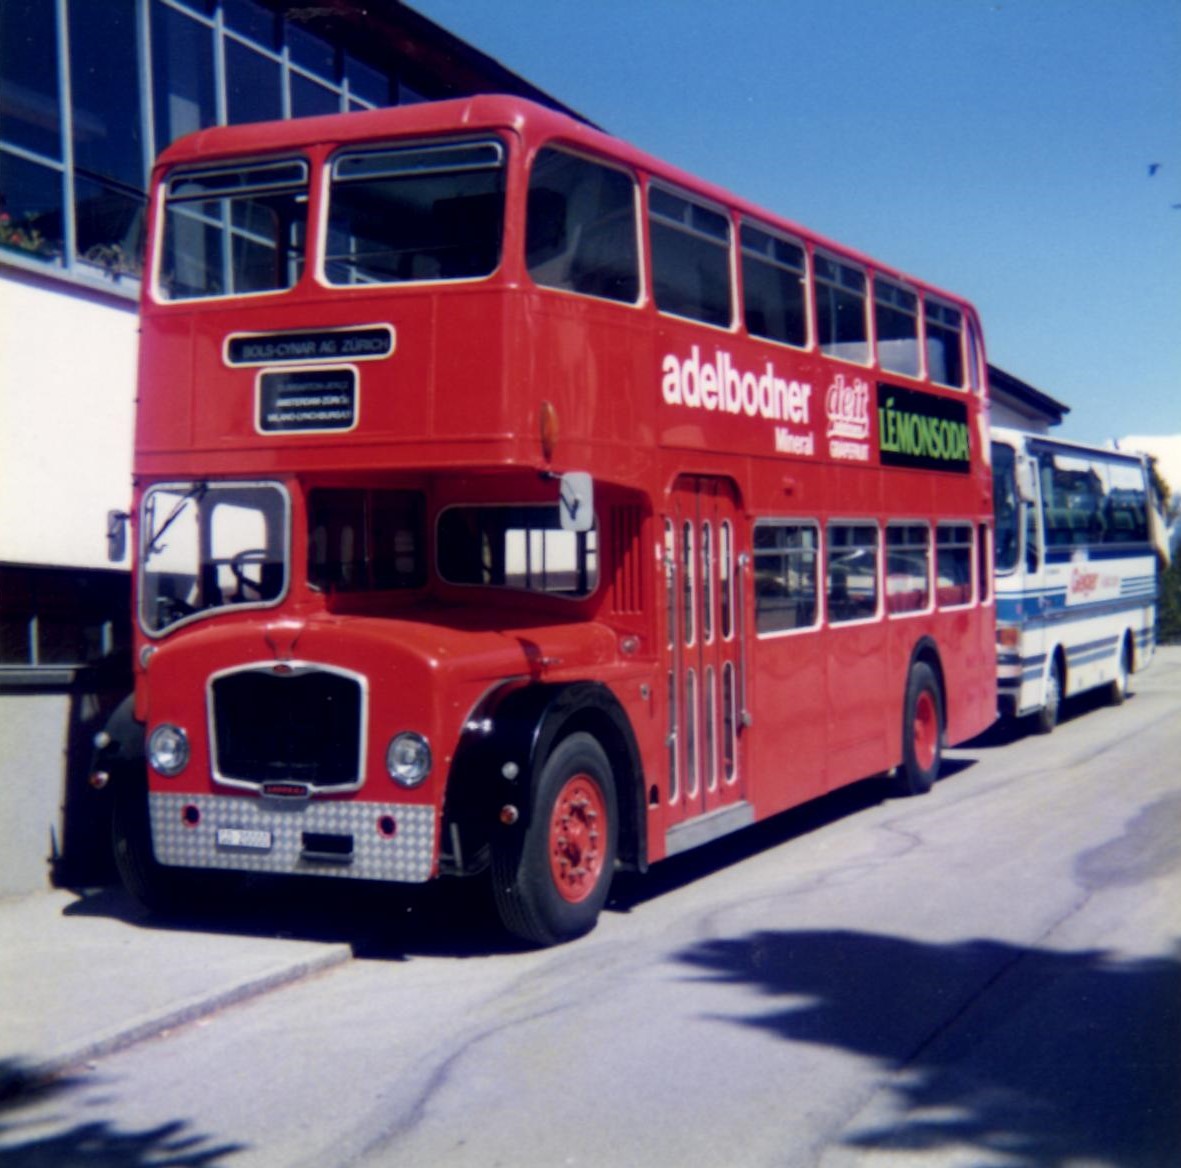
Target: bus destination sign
column 369, row 343
column 922, row 431
column 305, row 400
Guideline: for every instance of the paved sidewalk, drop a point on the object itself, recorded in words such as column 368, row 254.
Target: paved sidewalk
column 82, row 975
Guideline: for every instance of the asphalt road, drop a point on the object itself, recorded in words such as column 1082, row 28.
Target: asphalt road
column 987, row 975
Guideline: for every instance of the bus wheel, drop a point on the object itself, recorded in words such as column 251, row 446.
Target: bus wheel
column 160, row 888
column 1117, row 691
column 922, row 732
column 551, row 882
column 1047, row 717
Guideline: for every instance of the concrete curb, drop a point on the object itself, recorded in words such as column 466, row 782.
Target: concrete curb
column 27, row 1073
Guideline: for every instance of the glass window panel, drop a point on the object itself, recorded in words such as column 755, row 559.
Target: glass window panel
column 773, row 287
column 840, row 310
column 109, row 222
column 421, row 213
column 945, row 359
column 29, row 112
column 367, row 83
column 182, row 75
column 308, row 98
column 104, row 73
column 690, row 258
column 852, row 568
column 252, row 20
column 252, row 85
column 520, row 547
column 908, row 568
column 30, row 208
column 581, row 234
column 953, row 564
column 896, row 323
column 785, row 556
column 311, row 51
column 250, row 240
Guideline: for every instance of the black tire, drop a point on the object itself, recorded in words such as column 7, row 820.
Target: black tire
column 1117, row 689
column 922, row 732
column 540, row 895
column 160, row 888
column 1046, row 718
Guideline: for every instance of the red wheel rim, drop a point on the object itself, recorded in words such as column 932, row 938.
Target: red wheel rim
column 576, row 835
column 925, row 730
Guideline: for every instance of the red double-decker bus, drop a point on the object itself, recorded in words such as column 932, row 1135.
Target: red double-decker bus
column 509, row 502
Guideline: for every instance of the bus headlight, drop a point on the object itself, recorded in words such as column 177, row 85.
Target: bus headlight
column 408, row 758
column 168, row 749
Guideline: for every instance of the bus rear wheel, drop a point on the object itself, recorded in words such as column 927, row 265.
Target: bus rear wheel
column 1046, row 718
column 1117, row 690
column 552, row 880
column 922, row 732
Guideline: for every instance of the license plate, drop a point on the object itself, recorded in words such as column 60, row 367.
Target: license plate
column 250, row 839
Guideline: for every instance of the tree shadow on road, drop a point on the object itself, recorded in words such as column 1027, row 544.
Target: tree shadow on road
column 1021, row 1056
column 31, row 1138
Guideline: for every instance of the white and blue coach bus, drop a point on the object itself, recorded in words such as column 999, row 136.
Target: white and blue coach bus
column 1076, row 579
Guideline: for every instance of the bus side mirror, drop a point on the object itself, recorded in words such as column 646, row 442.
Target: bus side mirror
column 576, row 501
column 1026, row 487
column 117, row 536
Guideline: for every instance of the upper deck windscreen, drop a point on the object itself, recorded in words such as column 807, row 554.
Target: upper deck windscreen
column 234, row 231
column 424, row 212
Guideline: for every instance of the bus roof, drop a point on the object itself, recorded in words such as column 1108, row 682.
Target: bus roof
column 534, row 122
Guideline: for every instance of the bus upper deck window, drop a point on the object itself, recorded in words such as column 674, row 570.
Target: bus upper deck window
column 774, row 296
column 432, row 211
column 690, row 258
column 840, row 310
column 896, row 323
column 945, row 357
column 233, row 231
column 581, row 230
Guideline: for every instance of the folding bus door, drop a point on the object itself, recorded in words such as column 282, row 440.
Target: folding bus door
column 705, row 743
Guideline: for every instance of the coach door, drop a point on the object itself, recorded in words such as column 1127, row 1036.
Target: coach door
column 705, row 683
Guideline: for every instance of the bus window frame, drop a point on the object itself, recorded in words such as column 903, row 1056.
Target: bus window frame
column 932, row 299
column 842, row 261
column 879, row 566
column 196, row 169
column 382, row 145
column 929, row 606
column 559, row 145
column 809, row 343
column 817, row 552
column 693, row 198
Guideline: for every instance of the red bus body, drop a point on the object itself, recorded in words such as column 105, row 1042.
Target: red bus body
column 734, row 477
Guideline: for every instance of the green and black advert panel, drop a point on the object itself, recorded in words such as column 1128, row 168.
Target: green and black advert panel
column 922, row 431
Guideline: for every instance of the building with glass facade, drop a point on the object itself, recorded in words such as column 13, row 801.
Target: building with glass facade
column 90, row 91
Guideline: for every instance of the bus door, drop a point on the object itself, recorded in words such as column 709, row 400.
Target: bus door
column 704, row 635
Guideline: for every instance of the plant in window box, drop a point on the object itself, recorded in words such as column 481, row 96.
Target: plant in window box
column 114, row 259
column 23, row 236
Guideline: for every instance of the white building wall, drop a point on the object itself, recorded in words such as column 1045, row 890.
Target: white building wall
column 67, row 397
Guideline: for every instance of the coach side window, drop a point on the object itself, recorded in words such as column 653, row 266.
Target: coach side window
column 690, row 258
column 908, row 567
column 581, row 228
column 840, row 309
column 773, row 288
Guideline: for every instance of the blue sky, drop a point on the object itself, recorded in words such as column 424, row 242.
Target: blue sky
column 998, row 148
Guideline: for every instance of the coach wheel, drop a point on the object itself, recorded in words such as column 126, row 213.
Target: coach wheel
column 1117, row 691
column 922, row 732
column 552, row 881
column 1047, row 717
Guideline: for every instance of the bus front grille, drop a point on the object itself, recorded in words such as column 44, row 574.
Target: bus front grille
column 304, row 725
